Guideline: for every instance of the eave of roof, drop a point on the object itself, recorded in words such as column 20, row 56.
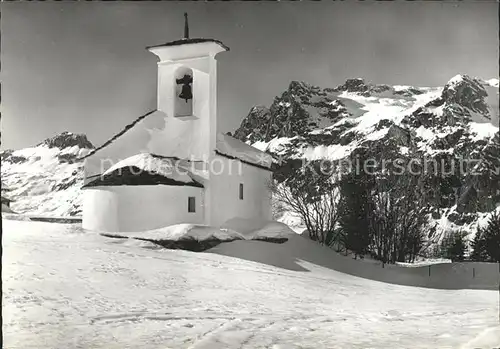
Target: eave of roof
column 243, row 161
column 134, row 177
column 190, row 41
column 116, row 136
column 234, row 148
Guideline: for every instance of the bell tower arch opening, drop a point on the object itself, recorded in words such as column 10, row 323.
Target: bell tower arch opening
column 183, row 89
column 187, row 95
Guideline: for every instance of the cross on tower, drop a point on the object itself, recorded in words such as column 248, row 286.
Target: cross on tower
column 186, row 26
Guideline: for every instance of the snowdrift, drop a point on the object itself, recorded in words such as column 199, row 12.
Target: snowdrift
column 7, row 213
column 182, row 232
column 489, row 338
column 298, row 252
column 199, row 238
column 12, row 216
column 64, row 288
column 259, row 230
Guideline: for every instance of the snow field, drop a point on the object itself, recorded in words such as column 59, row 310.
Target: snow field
column 64, row 288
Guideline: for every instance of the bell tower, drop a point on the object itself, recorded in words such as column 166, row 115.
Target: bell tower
column 187, row 94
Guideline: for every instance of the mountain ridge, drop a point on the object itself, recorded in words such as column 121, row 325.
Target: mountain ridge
column 449, row 124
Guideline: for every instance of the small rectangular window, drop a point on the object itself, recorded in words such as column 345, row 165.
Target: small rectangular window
column 241, row 191
column 191, row 204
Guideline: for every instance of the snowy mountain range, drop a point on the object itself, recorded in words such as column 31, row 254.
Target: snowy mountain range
column 456, row 124
column 458, row 120
column 45, row 179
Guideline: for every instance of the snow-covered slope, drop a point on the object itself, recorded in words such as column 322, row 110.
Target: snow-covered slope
column 450, row 123
column 45, row 179
column 68, row 289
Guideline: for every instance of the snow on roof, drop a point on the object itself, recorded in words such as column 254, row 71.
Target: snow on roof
column 171, row 168
column 118, row 135
column 225, row 145
column 190, row 41
column 234, row 148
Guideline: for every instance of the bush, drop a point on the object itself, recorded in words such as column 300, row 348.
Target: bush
column 454, row 246
column 313, row 196
column 486, row 245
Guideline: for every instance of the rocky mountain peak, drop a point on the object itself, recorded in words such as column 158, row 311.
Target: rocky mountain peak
column 298, row 110
column 300, row 88
column 252, row 127
column 463, row 100
column 353, row 85
column 467, row 92
column 67, row 140
column 259, row 109
column 360, row 86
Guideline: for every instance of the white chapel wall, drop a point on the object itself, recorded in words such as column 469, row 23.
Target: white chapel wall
column 224, row 191
column 100, row 210
column 140, row 208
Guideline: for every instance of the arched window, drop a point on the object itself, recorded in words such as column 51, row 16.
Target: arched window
column 183, row 99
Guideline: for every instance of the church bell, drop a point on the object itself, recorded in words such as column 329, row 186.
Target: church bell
column 186, row 93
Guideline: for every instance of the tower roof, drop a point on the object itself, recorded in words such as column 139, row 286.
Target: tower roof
column 186, row 40
column 190, row 41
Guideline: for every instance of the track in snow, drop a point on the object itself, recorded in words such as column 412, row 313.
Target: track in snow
column 67, row 289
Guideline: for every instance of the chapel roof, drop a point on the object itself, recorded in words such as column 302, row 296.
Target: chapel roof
column 118, row 135
column 150, row 169
column 236, row 149
column 226, row 145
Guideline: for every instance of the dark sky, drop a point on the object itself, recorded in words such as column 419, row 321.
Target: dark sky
column 82, row 66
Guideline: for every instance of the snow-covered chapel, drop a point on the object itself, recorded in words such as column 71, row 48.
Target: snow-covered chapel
column 172, row 165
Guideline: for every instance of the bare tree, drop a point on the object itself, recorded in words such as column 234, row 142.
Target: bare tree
column 314, row 197
column 400, row 216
